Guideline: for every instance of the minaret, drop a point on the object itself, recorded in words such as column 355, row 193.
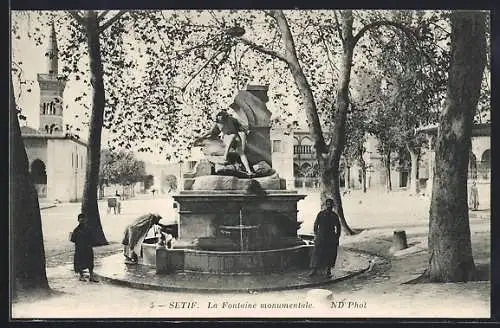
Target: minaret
column 51, row 90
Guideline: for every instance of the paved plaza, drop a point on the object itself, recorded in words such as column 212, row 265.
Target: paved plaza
column 378, row 292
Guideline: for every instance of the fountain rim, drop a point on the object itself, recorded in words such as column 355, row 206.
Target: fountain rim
column 185, row 194
column 201, row 251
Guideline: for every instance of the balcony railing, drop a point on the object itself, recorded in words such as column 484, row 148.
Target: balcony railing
column 302, row 149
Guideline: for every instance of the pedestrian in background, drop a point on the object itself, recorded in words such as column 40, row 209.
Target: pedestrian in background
column 473, row 197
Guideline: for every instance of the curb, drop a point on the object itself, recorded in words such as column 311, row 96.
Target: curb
column 146, row 286
column 44, row 207
column 149, row 286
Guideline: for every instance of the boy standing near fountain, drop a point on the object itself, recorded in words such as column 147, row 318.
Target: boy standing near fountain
column 84, row 255
column 326, row 240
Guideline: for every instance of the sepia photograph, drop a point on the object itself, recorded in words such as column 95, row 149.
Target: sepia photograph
column 258, row 164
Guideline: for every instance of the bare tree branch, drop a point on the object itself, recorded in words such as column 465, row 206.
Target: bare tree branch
column 301, row 81
column 101, row 15
column 447, row 32
column 215, row 18
column 77, row 17
column 410, row 33
column 268, row 13
column 215, row 55
column 110, row 21
column 330, row 62
column 262, row 49
column 337, row 26
column 205, row 44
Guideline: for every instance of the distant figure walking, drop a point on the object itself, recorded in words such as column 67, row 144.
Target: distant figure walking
column 473, row 197
column 84, row 255
column 326, row 240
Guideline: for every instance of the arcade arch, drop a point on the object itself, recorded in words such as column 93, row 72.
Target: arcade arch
column 38, row 172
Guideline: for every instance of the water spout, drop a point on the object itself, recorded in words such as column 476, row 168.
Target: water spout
column 241, row 230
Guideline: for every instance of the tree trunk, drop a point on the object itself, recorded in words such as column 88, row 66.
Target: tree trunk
column 347, row 178
column 89, row 203
column 450, row 251
column 388, row 182
column 301, row 82
column 337, row 142
column 414, row 189
column 26, row 237
column 328, row 163
column 363, row 172
column 330, row 183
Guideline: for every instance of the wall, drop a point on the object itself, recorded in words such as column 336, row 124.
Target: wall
column 36, row 148
column 479, row 145
column 283, row 158
column 65, row 174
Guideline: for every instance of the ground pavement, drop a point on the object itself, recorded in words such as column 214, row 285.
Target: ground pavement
column 379, row 292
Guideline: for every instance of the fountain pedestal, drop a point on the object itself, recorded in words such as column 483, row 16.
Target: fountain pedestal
column 261, row 233
column 244, row 235
column 203, row 213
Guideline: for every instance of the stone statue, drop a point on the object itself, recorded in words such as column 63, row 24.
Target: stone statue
column 234, row 135
column 245, row 149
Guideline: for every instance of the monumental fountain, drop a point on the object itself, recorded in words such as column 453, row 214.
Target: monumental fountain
column 231, row 224
column 235, row 233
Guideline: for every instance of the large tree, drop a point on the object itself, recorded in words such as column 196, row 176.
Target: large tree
column 26, row 238
column 450, row 251
column 327, row 154
column 93, row 25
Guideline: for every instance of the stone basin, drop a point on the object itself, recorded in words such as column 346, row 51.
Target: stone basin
column 228, row 262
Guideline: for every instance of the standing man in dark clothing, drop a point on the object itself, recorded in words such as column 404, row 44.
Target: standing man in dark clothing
column 84, row 255
column 326, row 239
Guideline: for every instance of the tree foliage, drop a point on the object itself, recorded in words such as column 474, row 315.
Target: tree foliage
column 122, row 167
column 170, row 71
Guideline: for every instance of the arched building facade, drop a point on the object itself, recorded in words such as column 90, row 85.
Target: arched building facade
column 305, row 174
column 57, row 158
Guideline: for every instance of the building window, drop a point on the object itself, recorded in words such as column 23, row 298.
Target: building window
column 72, row 160
column 299, row 149
column 76, row 160
column 277, row 146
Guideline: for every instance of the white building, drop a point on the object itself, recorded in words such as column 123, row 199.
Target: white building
column 56, row 158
